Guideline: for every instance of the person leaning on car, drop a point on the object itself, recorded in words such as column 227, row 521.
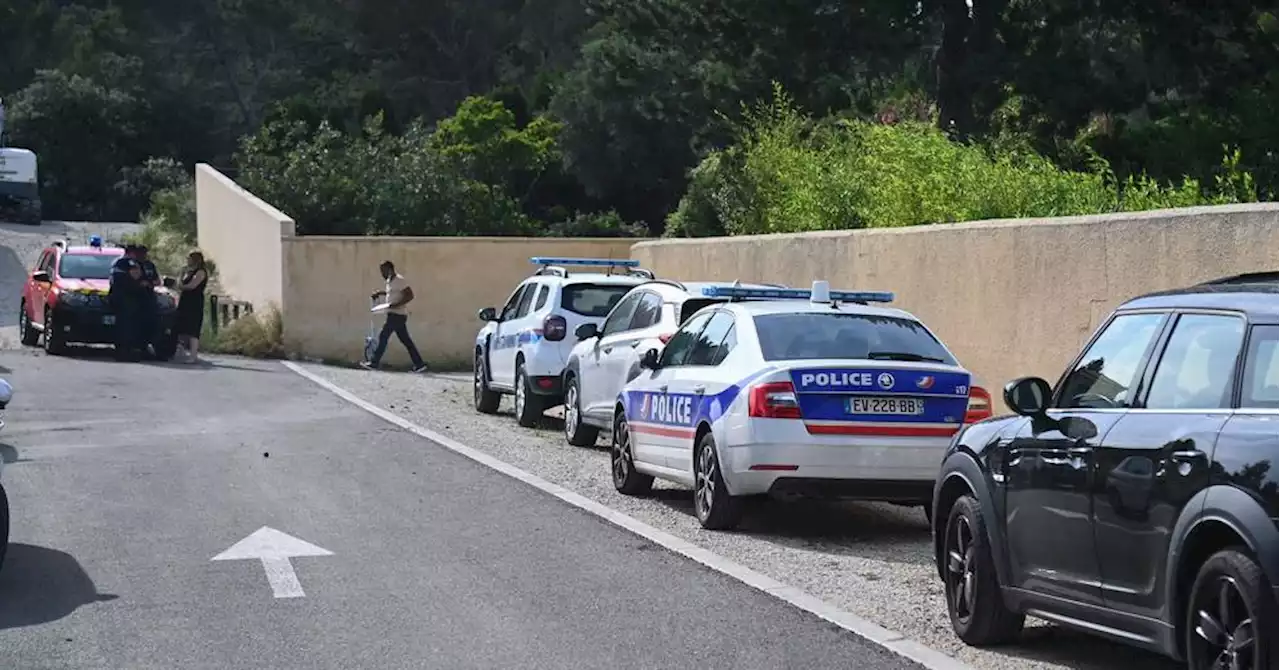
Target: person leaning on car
column 126, row 283
column 148, row 311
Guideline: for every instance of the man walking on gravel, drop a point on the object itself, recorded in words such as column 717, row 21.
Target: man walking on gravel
column 398, row 294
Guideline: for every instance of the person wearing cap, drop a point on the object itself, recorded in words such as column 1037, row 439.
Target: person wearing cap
column 122, row 296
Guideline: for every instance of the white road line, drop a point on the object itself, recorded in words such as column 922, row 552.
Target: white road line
column 891, row 640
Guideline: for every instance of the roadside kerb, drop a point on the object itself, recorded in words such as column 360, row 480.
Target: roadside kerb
column 891, row 640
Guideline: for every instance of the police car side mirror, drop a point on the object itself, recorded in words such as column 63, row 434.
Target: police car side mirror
column 169, row 282
column 487, row 314
column 41, row 276
column 1028, row 396
column 586, row 331
column 649, row 360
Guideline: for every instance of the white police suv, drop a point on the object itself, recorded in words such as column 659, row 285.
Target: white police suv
column 522, row 349
column 793, row 392
column 608, row 356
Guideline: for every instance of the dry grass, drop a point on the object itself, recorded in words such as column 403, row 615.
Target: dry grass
column 257, row 335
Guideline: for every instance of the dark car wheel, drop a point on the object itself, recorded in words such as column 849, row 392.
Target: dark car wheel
column 625, row 478
column 4, row 525
column 30, row 336
column 486, row 400
column 1230, row 620
column 54, row 344
column 978, row 613
column 715, row 508
column 528, row 403
column 576, row 432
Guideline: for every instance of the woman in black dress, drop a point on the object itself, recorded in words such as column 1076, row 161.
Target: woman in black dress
column 190, row 317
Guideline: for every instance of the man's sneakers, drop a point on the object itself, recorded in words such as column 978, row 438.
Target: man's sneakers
column 417, row 370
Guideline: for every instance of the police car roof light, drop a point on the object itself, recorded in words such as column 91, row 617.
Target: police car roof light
column 592, row 262
column 95, row 241
column 821, row 292
column 743, row 293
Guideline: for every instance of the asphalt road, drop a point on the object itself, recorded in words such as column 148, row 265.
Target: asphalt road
column 125, row 480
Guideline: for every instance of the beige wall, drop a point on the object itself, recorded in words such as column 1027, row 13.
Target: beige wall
column 328, row 281
column 242, row 235
column 1010, row 298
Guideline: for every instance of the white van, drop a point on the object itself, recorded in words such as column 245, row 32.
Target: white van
column 19, row 186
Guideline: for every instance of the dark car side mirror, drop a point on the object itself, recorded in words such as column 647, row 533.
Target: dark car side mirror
column 487, row 314
column 41, row 276
column 586, row 331
column 1028, row 396
column 649, row 361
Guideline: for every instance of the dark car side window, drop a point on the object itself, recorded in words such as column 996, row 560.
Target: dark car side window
column 1198, row 364
column 1105, row 375
column 1261, row 388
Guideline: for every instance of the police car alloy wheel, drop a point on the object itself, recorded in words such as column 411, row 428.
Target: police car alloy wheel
column 1230, row 618
column 716, row 509
column 528, row 405
column 625, row 478
column 577, row 433
column 977, row 610
column 486, row 400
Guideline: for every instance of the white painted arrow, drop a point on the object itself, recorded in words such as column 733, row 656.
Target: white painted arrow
column 274, row 549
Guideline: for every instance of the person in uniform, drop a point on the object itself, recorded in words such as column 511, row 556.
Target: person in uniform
column 126, row 278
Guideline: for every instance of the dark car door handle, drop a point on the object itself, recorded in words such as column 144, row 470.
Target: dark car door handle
column 1192, row 455
column 1079, row 451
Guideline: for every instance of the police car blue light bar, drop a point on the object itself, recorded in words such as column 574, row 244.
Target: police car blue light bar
column 793, row 294
column 95, row 241
column 591, row 262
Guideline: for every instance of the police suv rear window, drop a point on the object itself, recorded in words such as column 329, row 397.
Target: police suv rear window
column 593, row 300
column 86, row 266
column 827, row 335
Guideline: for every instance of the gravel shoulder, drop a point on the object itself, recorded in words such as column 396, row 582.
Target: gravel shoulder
column 870, row 559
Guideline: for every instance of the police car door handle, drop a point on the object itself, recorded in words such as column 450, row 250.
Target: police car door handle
column 607, row 349
column 663, row 388
column 699, row 389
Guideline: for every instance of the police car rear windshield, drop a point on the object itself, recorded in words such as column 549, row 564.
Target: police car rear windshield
column 86, row 266
column 594, row 300
column 827, row 335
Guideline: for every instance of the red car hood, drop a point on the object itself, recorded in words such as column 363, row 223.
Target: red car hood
column 94, row 285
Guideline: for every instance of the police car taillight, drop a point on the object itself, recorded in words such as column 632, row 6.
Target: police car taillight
column 979, row 405
column 773, row 400
column 554, row 328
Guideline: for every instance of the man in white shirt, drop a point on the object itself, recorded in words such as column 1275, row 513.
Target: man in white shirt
column 398, row 293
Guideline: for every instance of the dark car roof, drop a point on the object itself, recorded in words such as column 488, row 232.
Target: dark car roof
column 1257, row 294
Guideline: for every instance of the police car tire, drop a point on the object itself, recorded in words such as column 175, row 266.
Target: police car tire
column 53, row 342
column 726, row 509
column 990, row 622
column 486, row 400
column 4, row 525
column 528, row 404
column 576, row 432
column 631, row 483
column 30, row 336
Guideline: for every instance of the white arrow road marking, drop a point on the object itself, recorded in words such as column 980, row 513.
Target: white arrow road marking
column 274, row 549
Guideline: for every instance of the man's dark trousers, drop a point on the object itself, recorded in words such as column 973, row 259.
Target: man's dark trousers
column 126, row 325
column 398, row 324
column 147, row 318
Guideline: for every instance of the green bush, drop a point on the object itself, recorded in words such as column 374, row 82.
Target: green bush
column 257, row 335
column 790, row 173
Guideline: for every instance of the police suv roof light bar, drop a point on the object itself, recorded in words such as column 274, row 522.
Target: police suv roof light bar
column 95, row 241
column 743, row 293
column 546, row 261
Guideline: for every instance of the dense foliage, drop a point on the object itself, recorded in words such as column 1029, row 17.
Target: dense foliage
column 572, row 117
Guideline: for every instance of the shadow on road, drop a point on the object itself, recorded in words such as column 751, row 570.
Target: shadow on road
column 1070, row 649
column 39, row 585
column 9, row 454
column 13, row 274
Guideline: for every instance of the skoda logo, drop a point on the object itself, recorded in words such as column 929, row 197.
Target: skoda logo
column 885, row 380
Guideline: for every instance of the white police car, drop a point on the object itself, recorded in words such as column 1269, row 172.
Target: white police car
column 608, row 356
column 793, row 392
column 522, row 349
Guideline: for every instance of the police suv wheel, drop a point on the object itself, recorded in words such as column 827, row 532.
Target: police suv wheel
column 1230, row 617
column 53, row 342
column 577, row 433
column 528, row 403
column 978, row 614
column 486, row 401
column 715, row 507
column 30, row 336
column 622, row 463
